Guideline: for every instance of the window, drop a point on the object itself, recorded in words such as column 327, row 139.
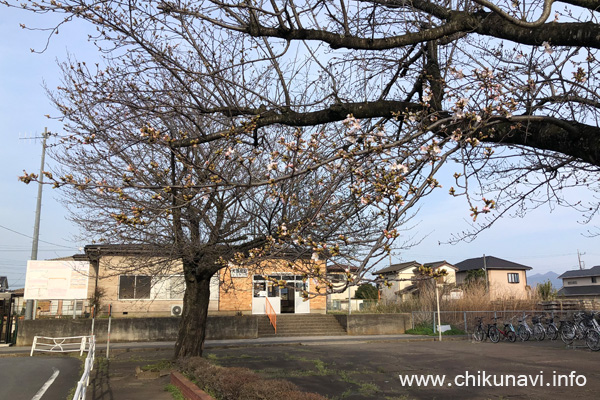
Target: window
column 134, row 287
column 168, row 287
column 513, row 277
column 572, row 283
column 594, row 279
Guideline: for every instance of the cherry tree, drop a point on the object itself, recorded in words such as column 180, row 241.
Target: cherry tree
column 317, row 125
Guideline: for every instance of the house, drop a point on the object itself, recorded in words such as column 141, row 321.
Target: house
column 403, row 279
column 504, row 279
column 338, row 299
column 3, row 284
column 581, row 283
column 125, row 278
column 19, row 304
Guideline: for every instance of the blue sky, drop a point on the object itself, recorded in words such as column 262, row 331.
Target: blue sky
column 543, row 240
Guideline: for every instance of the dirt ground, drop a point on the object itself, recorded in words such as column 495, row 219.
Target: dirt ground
column 545, row 370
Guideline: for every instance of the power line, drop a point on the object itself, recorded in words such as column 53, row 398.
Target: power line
column 31, row 237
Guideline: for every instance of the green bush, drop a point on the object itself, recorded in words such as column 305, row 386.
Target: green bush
column 366, row 292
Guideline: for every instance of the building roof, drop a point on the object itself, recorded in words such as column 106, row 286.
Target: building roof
column 491, row 262
column 341, row 268
column 407, row 290
column 581, row 273
column 397, row 267
column 589, row 290
column 412, row 264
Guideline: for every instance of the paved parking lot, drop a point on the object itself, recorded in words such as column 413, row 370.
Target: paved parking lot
column 531, row 370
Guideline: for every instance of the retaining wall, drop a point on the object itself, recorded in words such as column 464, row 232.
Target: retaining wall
column 375, row 324
column 136, row 329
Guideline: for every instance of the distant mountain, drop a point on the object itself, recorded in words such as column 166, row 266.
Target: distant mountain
column 533, row 280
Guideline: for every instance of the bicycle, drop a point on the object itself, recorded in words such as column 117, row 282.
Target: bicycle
column 524, row 332
column 592, row 339
column 552, row 330
column 508, row 333
column 479, row 332
column 576, row 329
column 539, row 332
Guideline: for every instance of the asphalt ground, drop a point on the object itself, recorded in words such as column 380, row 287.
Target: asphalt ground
column 371, row 370
column 368, row 367
column 48, row 378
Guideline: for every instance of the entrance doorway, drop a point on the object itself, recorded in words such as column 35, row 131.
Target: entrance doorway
column 286, row 299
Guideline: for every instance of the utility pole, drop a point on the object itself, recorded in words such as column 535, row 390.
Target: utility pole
column 581, row 263
column 29, row 309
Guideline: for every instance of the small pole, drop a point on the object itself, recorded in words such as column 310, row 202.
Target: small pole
column 439, row 319
column 74, row 309
column 487, row 281
column 108, row 334
column 93, row 318
column 349, row 300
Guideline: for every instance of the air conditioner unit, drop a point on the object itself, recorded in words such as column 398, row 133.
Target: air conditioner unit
column 176, row 310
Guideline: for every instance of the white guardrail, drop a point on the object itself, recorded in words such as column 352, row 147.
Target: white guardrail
column 71, row 344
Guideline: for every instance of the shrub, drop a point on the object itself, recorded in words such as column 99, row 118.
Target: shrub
column 240, row 383
column 367, row 292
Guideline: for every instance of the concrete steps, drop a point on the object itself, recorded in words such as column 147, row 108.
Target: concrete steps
column 301, row 325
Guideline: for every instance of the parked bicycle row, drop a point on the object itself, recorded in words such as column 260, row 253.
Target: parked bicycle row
column 581, row 326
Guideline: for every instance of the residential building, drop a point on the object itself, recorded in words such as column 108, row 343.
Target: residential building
column 3, row 284
column 402, row 280
column 581, row 283
column 504, row 279
column 125, row 278
column 338, row 299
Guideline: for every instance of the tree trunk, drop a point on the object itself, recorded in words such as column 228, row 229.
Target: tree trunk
column 192, row 328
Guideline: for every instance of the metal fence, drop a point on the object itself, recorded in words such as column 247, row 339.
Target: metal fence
column 467, row 320
column 61, row 344
column 88, row 367
column 356, row 305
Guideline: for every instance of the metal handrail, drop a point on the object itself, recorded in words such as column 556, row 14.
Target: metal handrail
column 60, row 344
column 271, row 314
column 89, row 366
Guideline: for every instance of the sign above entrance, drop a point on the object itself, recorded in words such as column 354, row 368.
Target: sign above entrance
column 239, row 272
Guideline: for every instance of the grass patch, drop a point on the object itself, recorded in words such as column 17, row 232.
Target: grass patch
column 428, row 331
column 158, row 366
column 175, row 392
column 101, row 365
column 367, row 389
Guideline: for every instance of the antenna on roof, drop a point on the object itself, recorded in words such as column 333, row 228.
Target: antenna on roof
column 581, row 263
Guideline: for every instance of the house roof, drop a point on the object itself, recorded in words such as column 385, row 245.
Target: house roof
column 581, row 273
column 491, row 262
column 589, row 290
column 397, row 267
column 96, row 250
column 412, row 264
column 341, row 268
column 409, row 289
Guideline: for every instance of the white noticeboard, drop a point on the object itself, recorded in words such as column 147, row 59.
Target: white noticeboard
column 61, row 279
